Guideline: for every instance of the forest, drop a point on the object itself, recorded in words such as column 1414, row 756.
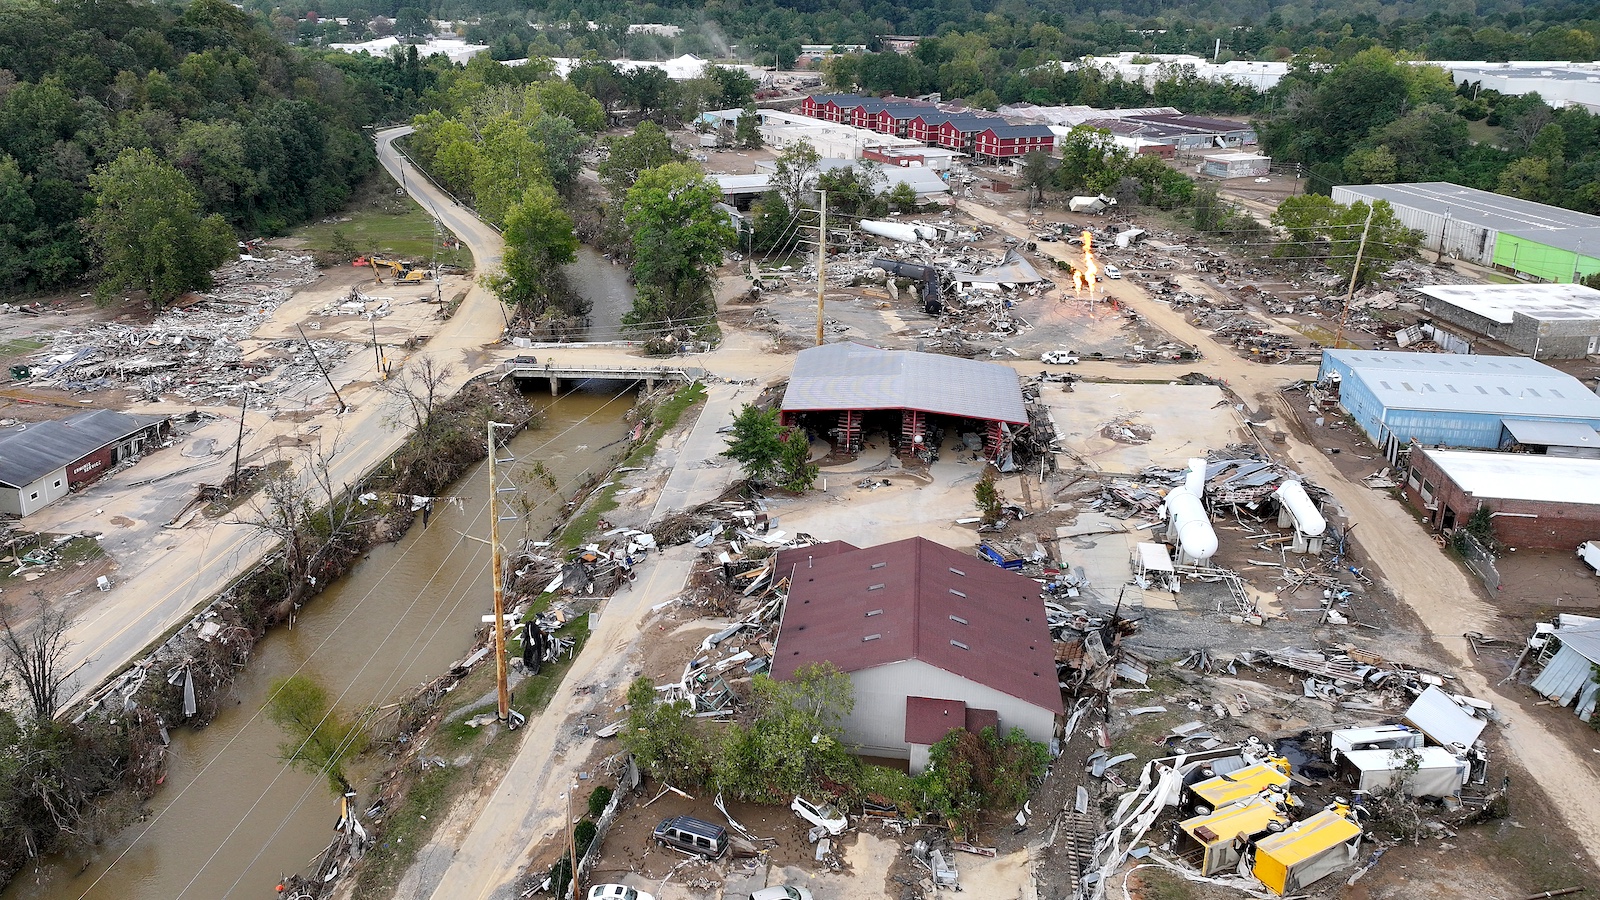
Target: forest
column 264, row 135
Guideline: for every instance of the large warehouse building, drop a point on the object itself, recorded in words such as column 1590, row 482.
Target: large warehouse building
column 1533, row 501
column 933, row 640
column 1447, row 399
column 1545, row 321
column 848, row 389
column 1547, row 243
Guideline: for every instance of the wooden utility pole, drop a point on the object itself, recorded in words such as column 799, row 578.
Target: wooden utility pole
column 1350, row 295
column 502, row 689
column 572, row 846
column 822, row 259
column 377, row 357
column 238, row 445
column 320, row 368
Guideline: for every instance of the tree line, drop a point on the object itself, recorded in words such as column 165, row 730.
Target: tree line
column 512, row 141
column 102, row 102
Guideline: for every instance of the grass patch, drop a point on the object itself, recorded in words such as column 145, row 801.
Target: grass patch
column 529, row 697
column 1159, row 884
column 19, row 347
column 379, row 221
column 666, row 417
column 1481, row 132
column 406, row 830
column 1140, row 733
column 80, row 550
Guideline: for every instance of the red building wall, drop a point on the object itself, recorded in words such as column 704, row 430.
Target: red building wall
column 1520, row 523
column 90, row 467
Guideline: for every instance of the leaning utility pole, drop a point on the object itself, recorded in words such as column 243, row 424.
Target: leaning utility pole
column 1350, row 295
column 822, row 259
column 320, row 368
column 238, row 445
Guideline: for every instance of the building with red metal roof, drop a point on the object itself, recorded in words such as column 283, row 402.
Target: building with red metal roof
column 933, row 639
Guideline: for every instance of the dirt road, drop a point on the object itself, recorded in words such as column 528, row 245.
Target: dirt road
column 1417, row 572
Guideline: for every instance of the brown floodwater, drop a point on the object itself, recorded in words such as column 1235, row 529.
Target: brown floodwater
column 232, row 818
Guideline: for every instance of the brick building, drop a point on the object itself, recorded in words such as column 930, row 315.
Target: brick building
column 1534, row 501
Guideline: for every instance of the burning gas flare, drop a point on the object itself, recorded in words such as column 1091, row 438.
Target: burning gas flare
column 1086, row 275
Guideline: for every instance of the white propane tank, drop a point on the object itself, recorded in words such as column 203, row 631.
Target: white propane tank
column 898, row 231
column 1195, row 481
column 1191, row 526
column 1308, row 519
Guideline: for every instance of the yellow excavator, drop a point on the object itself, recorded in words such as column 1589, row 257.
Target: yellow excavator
column 397, row 271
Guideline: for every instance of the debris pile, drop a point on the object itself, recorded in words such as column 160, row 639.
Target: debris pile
column 194, row 351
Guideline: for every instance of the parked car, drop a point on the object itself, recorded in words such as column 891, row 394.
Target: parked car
column 823, row 815
column 1113, row 272
column 781, row 892
column 1059, row 357
column 692, row 835
column 617, row 892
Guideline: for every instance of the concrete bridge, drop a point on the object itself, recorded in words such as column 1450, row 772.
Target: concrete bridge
column 531, row 367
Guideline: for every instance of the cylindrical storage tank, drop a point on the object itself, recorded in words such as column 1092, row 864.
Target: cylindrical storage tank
column 1308, row 519
column 897, row 231
column 1191, row 526
column 1195, row 481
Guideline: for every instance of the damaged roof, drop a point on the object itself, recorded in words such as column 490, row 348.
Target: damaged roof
column 847, row 375
column 30, row 452
column 915, row 599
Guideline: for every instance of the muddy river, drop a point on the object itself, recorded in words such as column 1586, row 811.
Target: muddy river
column 231, row 818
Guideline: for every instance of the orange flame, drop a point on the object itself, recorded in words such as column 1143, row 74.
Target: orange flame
column 1091, row 270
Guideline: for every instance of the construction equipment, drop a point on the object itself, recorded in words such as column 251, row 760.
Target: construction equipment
column 398, row 271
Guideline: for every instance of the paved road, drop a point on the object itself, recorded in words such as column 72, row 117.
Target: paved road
column 162, row 588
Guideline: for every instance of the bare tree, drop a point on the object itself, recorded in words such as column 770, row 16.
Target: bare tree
column 36, row 656
column 314, row 516
column 422, row 388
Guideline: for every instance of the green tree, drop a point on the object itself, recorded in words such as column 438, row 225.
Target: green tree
column 795, row 172
column 772, row 224
column 630, row 155
column 1038, row 173
column 987, row 495
column 665, row 742
column 969, row 775
column 794, row 743
column 1315, row 227
column 678, row 236
column 756, row 443
column 539, row 241
column 148, row 231
column 799, row 473
column 1528, row 178
column 747, row 132
column 903, row 198
column 319, row 739
column 734, row 87
column 561, row 145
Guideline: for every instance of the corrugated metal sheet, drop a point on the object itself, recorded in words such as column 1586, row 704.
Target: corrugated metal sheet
column 848, row 375
column 1565, row 676
column 33, row 451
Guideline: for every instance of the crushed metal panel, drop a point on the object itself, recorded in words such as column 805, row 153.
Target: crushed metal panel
column 1565, row 676
column 1441, row 719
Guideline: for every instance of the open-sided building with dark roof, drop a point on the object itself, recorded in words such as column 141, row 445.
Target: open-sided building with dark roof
column 845, row 388
column 42, row 461
column 933, row 640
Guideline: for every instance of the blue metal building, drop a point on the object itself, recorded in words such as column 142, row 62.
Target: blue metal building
column 1448, row 399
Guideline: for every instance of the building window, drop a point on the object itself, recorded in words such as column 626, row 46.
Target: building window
column 56, row 483
column 1427, row 490
column 33, row 496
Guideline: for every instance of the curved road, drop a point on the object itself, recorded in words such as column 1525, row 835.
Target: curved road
column 161, row 590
